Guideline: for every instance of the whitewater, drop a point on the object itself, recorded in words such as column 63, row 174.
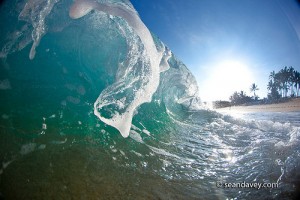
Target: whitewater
column 94, row 106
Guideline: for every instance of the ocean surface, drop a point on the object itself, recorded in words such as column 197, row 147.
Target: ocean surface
column 94, row 106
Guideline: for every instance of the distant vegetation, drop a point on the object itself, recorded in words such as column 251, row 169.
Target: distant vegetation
column 282, row 85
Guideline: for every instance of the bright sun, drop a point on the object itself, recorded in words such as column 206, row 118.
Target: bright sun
column 225, row 78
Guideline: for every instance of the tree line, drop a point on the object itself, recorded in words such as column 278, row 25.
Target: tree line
column 238, row 98
column 282, row 84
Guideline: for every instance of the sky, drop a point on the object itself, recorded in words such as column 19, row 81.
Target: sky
column 227, row 44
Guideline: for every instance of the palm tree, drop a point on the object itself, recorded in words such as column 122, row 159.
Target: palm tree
column 287, row 80
column 242, row 93
column 282, row 80
column 291, row 80
column 272, row 75
column 286, row 75
column 239, row 98
column 254, row 88
column 297, row 82
column 270, row 85
column 275, row 83
column 273, row 94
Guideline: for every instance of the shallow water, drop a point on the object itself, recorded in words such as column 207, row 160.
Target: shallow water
column 185, row 161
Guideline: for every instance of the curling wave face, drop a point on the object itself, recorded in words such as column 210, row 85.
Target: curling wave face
column 137, row 78
column 142, row 85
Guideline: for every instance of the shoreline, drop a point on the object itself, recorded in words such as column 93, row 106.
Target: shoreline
column 290, row 106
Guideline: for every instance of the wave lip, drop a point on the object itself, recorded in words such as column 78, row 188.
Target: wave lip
column 80, row 8
column 144, row 83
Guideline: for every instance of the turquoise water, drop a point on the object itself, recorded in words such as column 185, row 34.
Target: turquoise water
column 53, row 146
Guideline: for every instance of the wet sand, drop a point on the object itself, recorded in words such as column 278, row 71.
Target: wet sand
column 291, row 106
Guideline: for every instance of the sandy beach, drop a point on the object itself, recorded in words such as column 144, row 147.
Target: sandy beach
column 291, row 106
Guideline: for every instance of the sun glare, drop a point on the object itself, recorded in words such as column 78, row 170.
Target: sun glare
column 225, row 78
